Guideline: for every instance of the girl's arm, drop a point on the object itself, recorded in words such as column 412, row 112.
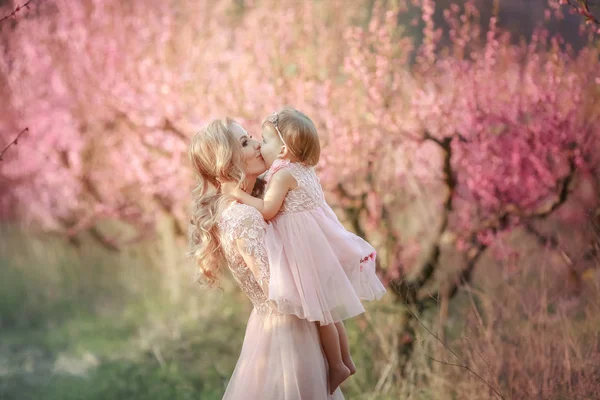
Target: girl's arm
column 281, row 182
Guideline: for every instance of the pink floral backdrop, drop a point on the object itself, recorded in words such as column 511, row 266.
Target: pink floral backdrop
column 435, row 134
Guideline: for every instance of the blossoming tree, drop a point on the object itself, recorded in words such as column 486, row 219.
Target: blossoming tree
column 447, row 142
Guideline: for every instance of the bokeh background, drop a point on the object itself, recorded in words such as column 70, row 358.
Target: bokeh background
column 460, row 138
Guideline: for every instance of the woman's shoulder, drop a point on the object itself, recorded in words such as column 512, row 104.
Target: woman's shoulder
column 241, row 215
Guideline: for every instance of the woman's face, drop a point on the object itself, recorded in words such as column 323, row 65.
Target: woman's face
column 254, row 164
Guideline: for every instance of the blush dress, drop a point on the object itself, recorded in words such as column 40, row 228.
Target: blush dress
column 281, row 357
column 319, row 271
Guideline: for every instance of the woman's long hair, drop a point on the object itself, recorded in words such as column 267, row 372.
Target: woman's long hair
column 216, row 156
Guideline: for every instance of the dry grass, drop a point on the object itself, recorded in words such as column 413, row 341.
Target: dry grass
column 520, row 331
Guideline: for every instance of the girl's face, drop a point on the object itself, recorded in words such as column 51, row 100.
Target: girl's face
column 254, row 165
column 271, row 146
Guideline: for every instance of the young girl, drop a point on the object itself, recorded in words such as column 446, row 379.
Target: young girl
column 318, row 270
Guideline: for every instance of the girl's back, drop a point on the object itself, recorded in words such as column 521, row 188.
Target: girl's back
column 309, row 193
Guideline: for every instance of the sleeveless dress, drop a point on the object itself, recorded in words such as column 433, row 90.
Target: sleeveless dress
column 319, row 270
column 281, row 357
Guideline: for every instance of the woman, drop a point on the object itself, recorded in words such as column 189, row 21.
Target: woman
column 281, row 358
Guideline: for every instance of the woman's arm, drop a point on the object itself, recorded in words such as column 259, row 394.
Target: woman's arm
column 281, row 182
column 256, row 263
column 249, row 238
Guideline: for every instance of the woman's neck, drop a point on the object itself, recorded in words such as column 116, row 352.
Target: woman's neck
column 249, row 184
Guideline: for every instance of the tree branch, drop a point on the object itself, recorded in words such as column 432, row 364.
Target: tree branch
column 594, row 252
column 563, row 193
column 170, row 127
column 551, row 242
column 467, row 273
column 472, row 372
column 583, row 7
column 14, row 13
column 408, row 289
column 14, row 142
column 342, row 190
column 106, row 242
column 167, row 207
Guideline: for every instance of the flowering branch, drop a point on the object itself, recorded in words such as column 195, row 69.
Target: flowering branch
column 14, row 142
column 12, row 15
column 409, row 290
column 503, row 223
column 583, row 7
column 16, row 11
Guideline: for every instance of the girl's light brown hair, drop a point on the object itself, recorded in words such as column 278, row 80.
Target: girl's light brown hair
column 216, row 156
column 298, row 132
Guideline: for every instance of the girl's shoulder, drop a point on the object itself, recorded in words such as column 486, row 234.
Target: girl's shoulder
column 277, row 165
column 295, row 169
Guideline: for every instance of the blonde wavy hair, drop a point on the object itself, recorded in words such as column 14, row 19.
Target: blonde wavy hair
column 216, row 156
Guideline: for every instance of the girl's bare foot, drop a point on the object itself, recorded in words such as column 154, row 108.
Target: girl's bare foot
column 337, row 375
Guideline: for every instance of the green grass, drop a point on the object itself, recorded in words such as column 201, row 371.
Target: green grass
column 106, row 359
column 89, row 324
column 112, row 380
column 128, row 355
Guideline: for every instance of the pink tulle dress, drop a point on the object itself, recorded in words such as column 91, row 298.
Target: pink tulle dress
column 319, row 271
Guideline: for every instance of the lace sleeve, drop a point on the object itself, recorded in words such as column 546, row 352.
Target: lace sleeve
column 249, row 237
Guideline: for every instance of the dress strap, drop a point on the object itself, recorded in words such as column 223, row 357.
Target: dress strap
column 277, row 165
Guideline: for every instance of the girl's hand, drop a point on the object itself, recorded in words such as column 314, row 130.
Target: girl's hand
column 231, row 189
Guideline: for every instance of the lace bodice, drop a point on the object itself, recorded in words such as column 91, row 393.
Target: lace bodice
column 309, row 193
column 242, row 231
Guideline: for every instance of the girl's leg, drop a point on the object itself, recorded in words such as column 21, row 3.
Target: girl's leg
column 338, row 371
column 345, row 347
